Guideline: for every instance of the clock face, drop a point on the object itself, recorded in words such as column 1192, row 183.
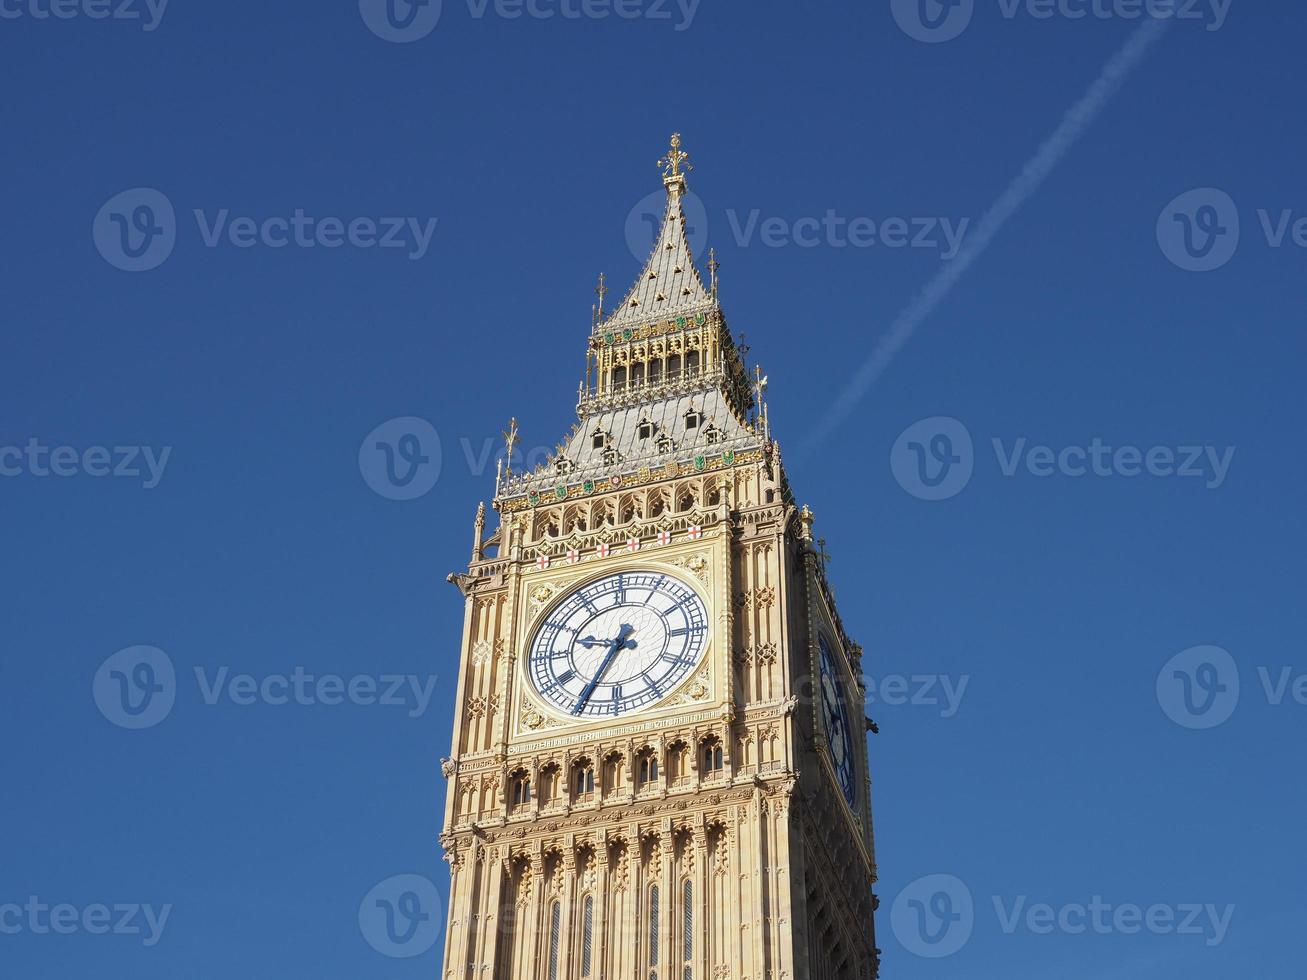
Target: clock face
column 836, row 723
column 620, row 643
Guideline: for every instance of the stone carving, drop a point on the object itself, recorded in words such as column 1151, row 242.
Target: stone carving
column 696, row 565
column 622, row 872
column 531, row 718
column 540, row 595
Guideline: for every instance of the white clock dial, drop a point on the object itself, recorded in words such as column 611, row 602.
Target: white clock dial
column 617, row 644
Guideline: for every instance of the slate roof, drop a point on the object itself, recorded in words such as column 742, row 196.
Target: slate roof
column 669, row 285
column 622, row 428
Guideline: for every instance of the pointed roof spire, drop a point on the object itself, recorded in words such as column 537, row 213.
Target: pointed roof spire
column 669, row 285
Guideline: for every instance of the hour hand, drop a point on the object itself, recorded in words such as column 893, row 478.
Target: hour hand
column 590, row 641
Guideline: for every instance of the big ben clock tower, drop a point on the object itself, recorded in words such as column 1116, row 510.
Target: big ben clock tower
column 659, row 766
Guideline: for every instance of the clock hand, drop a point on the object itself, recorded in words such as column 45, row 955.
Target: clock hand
column 613, row 646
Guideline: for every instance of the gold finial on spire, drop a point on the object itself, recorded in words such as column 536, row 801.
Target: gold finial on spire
column 713, row 266
column 673, row 165
column 602, row 290
column 759, row 387
column 510, row 440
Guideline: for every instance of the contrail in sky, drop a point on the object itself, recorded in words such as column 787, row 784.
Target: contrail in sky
column 1073, row 125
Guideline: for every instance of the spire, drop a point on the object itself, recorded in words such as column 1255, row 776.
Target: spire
column 669, row 285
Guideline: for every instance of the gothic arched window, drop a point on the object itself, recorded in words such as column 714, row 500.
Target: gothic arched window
column 519, row 791
column 647, row 774
column 583, row 780
column 587, row 934
column 653, row 930
column 677, row 762
column 614, row 772
column 711, row 755
column 687, row 897
column 547, row 791
column 555, row 926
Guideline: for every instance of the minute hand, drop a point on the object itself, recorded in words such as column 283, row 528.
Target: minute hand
column 613, row 647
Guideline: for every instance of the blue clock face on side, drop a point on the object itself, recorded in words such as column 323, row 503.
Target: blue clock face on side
column 618, row 644
column 836, row 722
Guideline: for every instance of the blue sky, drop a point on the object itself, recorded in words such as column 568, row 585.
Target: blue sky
column 1063, row 770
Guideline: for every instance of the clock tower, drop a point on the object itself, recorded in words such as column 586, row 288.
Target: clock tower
column 659, row 766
